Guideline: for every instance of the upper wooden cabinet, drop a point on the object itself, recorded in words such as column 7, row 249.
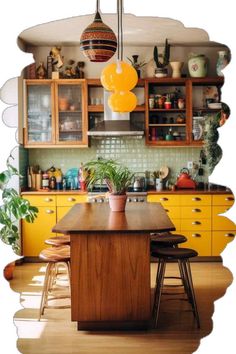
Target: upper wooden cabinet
column 181, row 122
column 55, row 113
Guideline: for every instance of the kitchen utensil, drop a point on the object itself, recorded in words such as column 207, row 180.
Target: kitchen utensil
column 164, row 171
column 184, row 180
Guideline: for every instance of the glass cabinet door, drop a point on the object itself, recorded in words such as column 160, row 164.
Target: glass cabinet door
column 71, row 114
column 39, row 122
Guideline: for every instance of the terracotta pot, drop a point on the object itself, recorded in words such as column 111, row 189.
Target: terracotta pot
column 117, row 202
column 8, row 271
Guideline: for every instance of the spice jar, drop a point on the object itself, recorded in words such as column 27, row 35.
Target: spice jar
column 52, row 182
column 45, row 180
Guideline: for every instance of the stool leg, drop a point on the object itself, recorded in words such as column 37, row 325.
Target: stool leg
column 190, row 281
column 184, row 276
column 46, row 286
column 157, row 296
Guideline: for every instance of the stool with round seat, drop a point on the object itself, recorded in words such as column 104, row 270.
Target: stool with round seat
column 54, row 255
column 58, row 240
column 182, row 255
column 166, row 239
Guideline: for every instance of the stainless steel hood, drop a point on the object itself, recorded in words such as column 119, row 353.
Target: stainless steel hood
column 115, row 124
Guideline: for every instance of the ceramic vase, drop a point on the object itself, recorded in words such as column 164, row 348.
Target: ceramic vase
column 197, row 66
column 176, row 67
column 222, row 61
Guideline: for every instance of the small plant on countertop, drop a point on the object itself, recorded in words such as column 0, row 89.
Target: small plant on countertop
column 116, row 176
column 13, row 209
column 166, row 56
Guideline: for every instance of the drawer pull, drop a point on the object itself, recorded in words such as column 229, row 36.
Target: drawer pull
column 196, row 199
column 229, row 234
column 163, row 199
column 228, row 199
column 49, row 211
column 71, row 199
column 48, row 199
column 196, row 235
column 196, row 223
column 196, row 210
column 167, row 210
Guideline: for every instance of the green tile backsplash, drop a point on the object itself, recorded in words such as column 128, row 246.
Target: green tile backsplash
column 132, row 152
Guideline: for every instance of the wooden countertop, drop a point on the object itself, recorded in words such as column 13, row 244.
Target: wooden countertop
column 89, row 217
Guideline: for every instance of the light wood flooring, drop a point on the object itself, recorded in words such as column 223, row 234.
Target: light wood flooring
column 177, row 332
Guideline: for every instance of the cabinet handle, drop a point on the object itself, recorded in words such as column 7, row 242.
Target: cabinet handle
column 196, row 210
column 71, row 199
column 167, row 210
column 196, row 223
column 229, row 199
column 163, row 199
column 48, row 199
column 49, row 211
column 196, row 199
column 196, row 235
column 229, row 234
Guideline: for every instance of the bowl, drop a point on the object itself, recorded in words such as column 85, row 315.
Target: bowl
column 214, row 105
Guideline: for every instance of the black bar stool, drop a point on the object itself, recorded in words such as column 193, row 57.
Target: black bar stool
column 182, row 255
column 166, row 239
column 54, row 255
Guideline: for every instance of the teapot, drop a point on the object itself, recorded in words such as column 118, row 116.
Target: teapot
column 184, row 180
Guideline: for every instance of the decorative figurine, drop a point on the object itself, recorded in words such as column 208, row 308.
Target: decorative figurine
column 57, row 61
column 41, row 72
column 79, row 69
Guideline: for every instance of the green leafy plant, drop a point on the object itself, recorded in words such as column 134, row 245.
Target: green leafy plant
column 116, row 176
column 13, row 209
column 134, row 62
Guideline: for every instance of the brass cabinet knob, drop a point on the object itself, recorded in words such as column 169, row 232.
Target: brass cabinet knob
column 196, row 223
column 230, row 234
column 48, row 199
column 71, row 199
column 196, row 210
column 167, row 210
column 228, row 199
column 196, row 235
column 49, row 211
column 163, row 199
column 196, row 199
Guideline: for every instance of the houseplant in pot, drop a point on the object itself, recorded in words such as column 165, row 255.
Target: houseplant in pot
column 13, row 208
column 116, row 176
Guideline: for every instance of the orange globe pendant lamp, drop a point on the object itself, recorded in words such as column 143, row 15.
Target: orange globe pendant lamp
column 120, row 77
column 122, row 101
column 114, row 78
column 98, row 42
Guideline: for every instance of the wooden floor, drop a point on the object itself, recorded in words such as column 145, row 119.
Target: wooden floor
column 177, row 332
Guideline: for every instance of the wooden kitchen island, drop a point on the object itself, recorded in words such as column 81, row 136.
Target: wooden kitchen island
column 110, row 263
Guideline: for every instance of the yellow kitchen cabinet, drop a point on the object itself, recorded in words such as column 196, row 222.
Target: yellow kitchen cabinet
column 164, row 199
column 71, row 199
column 193, row 212
column 195, row 200
column 223, row 229
column 34, row 234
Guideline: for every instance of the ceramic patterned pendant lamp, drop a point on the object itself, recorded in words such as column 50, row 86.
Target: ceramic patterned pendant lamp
column 98, row 42
column 120, row 77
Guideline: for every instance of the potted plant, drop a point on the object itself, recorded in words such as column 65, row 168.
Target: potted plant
column 12, row 209
column 161, row 70
column 116, row 176
column 137, row 65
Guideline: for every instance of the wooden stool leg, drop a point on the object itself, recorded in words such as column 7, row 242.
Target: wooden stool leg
column 194, row 303
column 46, row 286
column 157, row 296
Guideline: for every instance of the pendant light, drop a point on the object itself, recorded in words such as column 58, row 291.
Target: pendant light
column 120, row 77
column 98, row 42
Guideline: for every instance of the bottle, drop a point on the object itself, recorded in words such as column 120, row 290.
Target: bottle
column 52, row 182
column 45, row 180
column 29, row 178
column 64, row 183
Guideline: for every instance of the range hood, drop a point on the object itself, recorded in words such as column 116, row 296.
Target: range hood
column 114, row 124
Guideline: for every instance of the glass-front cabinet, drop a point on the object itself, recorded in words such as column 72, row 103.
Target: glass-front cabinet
column 55, row 113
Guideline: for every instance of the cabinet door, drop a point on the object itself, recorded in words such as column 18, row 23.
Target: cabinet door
column 39, row 113
column 71, row 112
column 220, row 239
column 166, row 123
column 199, row 241
column 34, row 234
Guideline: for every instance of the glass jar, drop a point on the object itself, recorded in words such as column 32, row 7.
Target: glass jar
column 197, row 65
column 222, row 62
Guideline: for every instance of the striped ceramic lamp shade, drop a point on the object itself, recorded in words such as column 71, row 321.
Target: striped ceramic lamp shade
column 98, row 42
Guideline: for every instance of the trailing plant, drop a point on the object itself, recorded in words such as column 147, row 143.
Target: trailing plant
column 116, row 176
column 13, row 209
column 166, row 56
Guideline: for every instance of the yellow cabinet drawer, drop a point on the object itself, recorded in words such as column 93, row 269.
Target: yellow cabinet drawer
column 199, row 241
column 219, row 241
column 173, row 211
column 195, row 199
column 41, row 200
column 195, row 224
column 164, row 199
column 195, row 212
column 223, row 199
column 220, row 222
column 69, row 200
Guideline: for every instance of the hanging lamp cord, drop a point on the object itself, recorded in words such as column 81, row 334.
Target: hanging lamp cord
column 97, row 6
column 120, row 29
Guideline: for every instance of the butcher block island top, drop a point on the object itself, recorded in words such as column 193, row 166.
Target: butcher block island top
column 91, row 217
column 110, row 263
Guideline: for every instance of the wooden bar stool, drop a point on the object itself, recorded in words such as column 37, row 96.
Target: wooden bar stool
column 181, row 255
column 58, row 240
column 54, row 255
column 166, row 239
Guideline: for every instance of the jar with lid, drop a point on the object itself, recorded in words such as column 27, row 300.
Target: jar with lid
column 45, row 180
column 222, row 61
column 197, row 65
